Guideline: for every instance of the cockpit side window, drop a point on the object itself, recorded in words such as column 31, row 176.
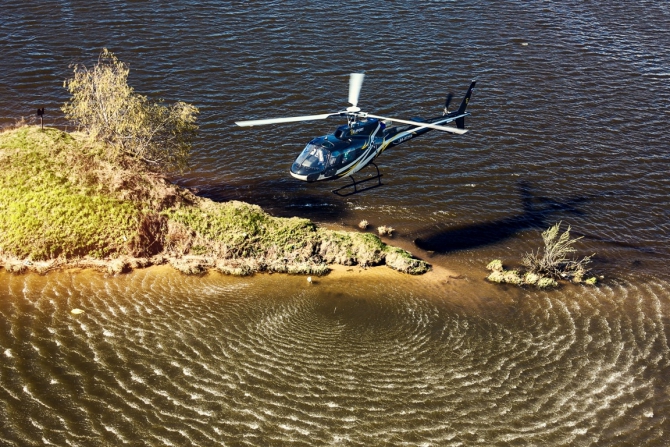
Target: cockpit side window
column 351, row 154
column 335, row 158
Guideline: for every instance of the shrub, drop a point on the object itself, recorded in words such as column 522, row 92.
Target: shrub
column 553, row 261
column 108, row 110
column 495, row 266
column 531, row 278
column 546, row 265
column 385, row 231
column 496, row 276
column 544, row 283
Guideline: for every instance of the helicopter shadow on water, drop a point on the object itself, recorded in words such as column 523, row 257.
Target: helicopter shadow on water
column 536, row 213
column 283, row 197
column 279, row 197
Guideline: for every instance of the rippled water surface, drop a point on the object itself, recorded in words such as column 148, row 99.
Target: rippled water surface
column 568, row 124
column 354, row 360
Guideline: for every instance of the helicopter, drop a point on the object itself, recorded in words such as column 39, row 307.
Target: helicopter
column 355, row 145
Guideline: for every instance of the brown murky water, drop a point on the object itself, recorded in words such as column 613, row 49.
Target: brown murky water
column 569, row 124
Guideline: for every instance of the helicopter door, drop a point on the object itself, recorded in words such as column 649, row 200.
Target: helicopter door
column 334, row 163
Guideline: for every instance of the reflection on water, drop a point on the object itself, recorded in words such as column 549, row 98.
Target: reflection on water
column 355, row 359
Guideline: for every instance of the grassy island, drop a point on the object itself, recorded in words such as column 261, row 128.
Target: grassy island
column 64, row 204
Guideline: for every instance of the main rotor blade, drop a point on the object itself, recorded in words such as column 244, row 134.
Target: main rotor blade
column 355, row 83
column 284, row 120
column 422, row 124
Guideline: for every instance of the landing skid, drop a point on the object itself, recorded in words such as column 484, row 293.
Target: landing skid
column 355, row 184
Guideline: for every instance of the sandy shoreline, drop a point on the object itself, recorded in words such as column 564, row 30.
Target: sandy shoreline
column 189, row 265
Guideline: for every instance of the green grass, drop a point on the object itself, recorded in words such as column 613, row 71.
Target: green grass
column 245, row 229
column 43, row 214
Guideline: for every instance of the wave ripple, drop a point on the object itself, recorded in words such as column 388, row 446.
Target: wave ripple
column 159, row 360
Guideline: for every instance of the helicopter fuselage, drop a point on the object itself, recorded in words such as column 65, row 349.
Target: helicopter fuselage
column 355, row 145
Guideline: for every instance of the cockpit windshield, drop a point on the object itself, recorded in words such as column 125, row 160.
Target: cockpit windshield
column 314, row 157
column 327, row 155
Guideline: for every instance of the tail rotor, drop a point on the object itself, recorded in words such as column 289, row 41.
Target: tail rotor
column 450, row 96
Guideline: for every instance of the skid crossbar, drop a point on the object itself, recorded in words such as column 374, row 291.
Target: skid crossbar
column 356, row 183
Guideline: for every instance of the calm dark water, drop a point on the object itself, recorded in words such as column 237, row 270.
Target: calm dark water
column 568, row 124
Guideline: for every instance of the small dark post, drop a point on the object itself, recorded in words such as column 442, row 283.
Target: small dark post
column 40, row 113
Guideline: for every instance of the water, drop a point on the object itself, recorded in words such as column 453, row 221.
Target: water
column 568, row 125
column 159, row 359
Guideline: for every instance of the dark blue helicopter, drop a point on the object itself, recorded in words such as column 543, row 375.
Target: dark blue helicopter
column 356, row 144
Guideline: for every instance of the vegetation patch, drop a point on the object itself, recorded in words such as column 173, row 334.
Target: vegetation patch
column 63, row 203
column 403, row 261
column 43, row 214
column 546, row 266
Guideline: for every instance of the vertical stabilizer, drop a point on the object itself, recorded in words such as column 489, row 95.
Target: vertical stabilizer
column 460, row 122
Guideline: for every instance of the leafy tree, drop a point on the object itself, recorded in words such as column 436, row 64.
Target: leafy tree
column 108, row 110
